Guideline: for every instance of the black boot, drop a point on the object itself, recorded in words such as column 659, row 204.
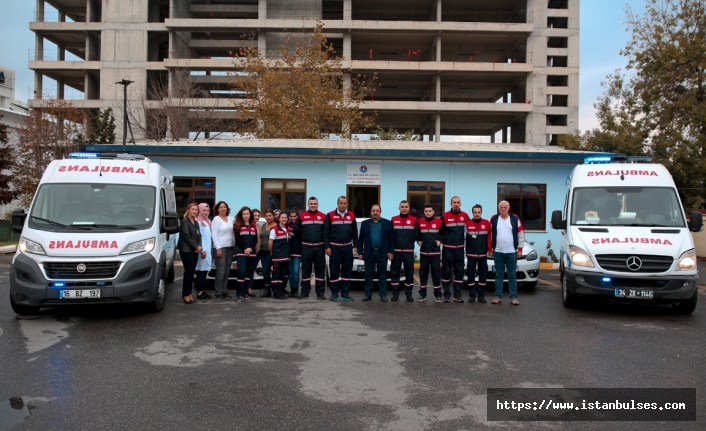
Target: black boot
column 294, row 293
column 267, row 292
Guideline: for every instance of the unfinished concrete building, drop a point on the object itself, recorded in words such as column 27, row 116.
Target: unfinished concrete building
column 506, row 70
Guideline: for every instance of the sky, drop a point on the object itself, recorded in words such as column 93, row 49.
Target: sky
column 603, row 35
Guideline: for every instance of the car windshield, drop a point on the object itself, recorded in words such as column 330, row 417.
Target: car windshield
column 627, row 206
column 87, row 207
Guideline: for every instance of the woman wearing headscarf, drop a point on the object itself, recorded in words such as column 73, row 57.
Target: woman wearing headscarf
column 245, row 242
column 204, row 261
column 224, row 244
column 189, row 247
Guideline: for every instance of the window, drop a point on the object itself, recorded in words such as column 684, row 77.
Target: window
column 527, row 201
column 283, row 194
column 199, row 190
column 420, row 193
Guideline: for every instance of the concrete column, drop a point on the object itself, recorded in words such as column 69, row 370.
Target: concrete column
column 38, row 48
column 438, row 47
column 505, row 135
column 62, row 16
column 39, row 11
column 60, row 53
column 89, row 10
column 437, row 128
column 347, row 51
column 438, row 88
column 38, row 90
column 262, row 9
column 492, row 138
column 59, row 89
column 438, row 10
column 262, row 43
column 347, row 10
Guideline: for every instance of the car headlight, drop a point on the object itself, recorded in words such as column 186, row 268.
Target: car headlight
column 146, row 245
column 687, row 261
column 579, row 257
column 531, row 256
column 29, row 246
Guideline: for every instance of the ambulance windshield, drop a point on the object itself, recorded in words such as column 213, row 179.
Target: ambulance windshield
column 627, row 206
column 90, row 207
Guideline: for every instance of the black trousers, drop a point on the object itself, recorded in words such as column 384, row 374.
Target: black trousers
column 473, row 285
column 406, row 259
column 433, row 262
column 315, row 256
column 279, row 272
column 453, row 260
column 340, row 265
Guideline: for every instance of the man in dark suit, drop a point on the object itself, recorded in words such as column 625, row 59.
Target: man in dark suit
column 376, row 244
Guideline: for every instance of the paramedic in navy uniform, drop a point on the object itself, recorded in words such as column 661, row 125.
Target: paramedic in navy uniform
column 477, row 230
column 403, row 227
column 340, row 242
column 454, row 233
column 309, row 228
column 376, row 244
column 429, row 239
column 279, row 243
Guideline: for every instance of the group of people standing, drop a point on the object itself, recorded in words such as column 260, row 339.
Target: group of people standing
column 289, row 239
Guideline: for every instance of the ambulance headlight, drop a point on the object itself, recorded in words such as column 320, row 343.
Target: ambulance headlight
column 146, row 245
column 579, row 257
column 531, row 256
column 29, row 246
column 687, row 261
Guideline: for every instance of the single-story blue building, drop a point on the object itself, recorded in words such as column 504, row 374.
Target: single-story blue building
column 268, row 174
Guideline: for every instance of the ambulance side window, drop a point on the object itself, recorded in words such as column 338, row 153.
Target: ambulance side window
column 163, row 204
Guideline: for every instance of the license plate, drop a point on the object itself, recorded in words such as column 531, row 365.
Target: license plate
column 361, row 268
column 634, row 293
column 80, row 294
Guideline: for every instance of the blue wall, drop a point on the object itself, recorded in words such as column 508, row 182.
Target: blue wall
column 238, row 182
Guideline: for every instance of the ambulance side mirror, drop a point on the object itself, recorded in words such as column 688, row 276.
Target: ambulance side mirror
column 18, row 220
column 696, row 221
column 170, row 223
column 557, row 221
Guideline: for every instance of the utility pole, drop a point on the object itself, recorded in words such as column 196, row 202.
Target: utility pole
column 126, row 121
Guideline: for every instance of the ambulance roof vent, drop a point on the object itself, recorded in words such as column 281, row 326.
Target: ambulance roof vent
column 617, row 158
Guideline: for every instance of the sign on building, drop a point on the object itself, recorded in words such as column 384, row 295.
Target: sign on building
column 363, row 174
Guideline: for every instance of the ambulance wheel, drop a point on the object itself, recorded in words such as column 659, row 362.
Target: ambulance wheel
column 170, row 274
column 688, row 306
column 23, row 310
column 158, row 304
column 567, row 298
column 529, row 286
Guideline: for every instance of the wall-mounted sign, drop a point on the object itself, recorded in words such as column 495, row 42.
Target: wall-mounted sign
column 363, row 174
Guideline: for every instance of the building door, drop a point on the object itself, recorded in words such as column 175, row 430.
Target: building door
column 361, row 198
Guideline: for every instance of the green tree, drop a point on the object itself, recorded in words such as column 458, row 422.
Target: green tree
column 660, row 109
column 101, row 127
column 380, row 134
column 304, row 93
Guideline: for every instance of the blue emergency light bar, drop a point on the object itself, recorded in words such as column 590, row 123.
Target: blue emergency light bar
column 82, row 155
column 617, row 158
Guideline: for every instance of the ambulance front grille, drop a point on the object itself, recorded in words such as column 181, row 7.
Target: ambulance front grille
column 649, row 263
column 69, row 270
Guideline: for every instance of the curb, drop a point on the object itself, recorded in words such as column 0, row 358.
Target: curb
column 8, row 249
column 548, row 266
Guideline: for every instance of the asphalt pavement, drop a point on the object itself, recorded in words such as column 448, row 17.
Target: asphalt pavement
column 318, row 365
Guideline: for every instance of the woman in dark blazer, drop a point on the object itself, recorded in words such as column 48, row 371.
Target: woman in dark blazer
column 189, row 247
column 375, row 247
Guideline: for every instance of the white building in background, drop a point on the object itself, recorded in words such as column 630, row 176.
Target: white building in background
column 12, row 111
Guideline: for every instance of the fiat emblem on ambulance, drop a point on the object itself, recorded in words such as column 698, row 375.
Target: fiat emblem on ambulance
column 81, row 268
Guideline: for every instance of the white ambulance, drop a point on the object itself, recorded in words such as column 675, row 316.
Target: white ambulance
column 101, row 229
column 625, row 236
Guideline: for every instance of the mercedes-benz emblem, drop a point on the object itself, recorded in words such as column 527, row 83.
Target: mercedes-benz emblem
column 81, row 268
column 634, row 263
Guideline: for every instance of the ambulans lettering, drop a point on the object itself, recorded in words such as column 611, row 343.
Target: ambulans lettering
column 631, row 241
column 633, row 172
column 83, row 244
column 114, row 169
